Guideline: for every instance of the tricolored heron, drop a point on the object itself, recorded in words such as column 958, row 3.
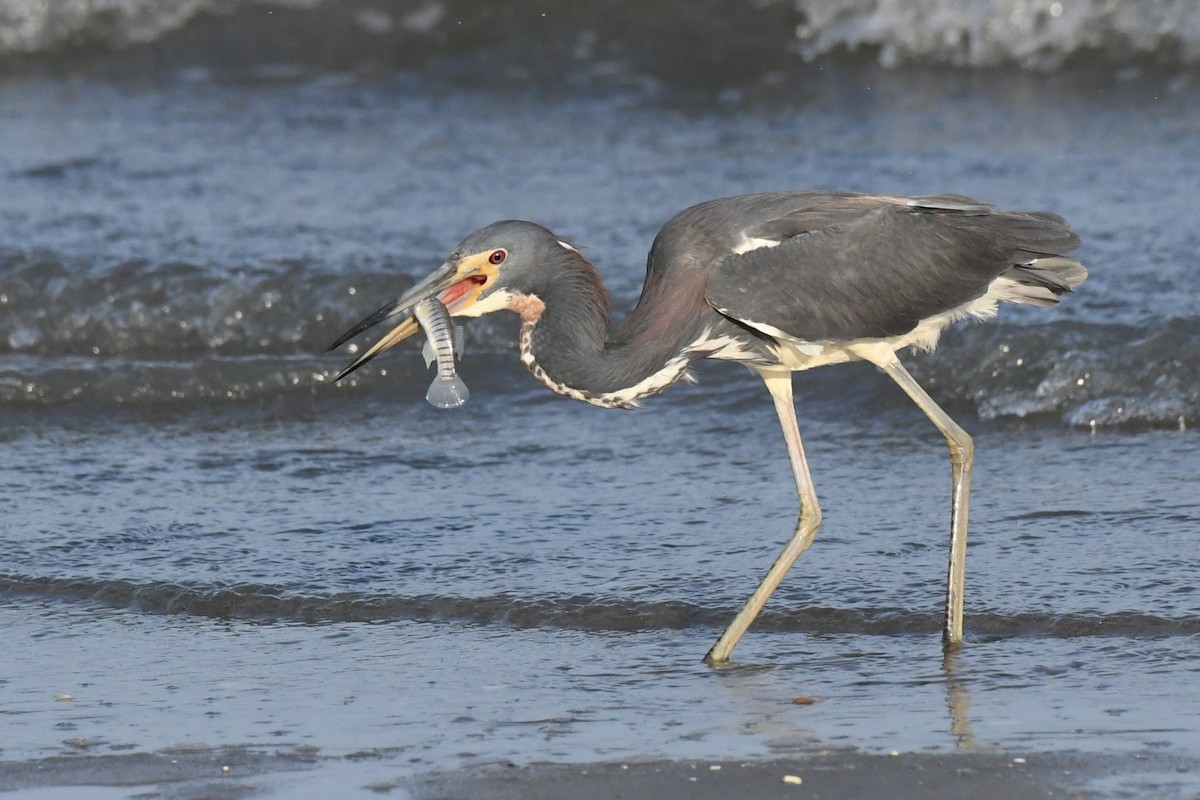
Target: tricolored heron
column 779, row 282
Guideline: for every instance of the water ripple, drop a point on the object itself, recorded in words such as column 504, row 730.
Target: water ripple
column 573, row 612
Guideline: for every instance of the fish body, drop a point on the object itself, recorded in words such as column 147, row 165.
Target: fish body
column 443, row 341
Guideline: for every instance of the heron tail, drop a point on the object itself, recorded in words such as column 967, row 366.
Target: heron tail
column 1040, row 281
column 1039, row 272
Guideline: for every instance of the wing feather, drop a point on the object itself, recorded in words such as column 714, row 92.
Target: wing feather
column 877, row 270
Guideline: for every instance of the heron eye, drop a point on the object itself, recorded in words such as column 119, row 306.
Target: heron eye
column 497, row 257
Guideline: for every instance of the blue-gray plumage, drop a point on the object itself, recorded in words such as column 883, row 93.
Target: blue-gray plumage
column 779, row 282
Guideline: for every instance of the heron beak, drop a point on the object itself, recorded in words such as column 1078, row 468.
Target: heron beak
column 457, row 284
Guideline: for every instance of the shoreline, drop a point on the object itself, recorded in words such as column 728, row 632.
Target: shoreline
column 833, row 774
column 226, row 773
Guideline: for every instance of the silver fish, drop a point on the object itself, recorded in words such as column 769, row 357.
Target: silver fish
column 443, row 341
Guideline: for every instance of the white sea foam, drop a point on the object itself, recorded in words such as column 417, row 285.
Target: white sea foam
column 1036, row 34
column 1040, row 34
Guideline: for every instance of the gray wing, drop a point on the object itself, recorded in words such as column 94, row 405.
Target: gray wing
column 876, row 267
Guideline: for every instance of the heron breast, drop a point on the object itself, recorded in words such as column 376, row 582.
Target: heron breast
column 529, row 306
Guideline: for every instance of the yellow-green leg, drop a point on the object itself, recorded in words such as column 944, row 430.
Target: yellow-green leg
column 779, row 384
column 962, row 456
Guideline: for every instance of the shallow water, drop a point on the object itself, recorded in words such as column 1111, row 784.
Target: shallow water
column 207, row 545
column 322, row 584
column 597, row 521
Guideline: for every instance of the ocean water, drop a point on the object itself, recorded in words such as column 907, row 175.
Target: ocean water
column 207, row 545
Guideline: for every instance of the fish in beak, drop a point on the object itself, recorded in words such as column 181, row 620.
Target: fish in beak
column 457, row 284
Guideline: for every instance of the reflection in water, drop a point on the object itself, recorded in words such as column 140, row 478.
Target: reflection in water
column 841, row 695
column 958, row 701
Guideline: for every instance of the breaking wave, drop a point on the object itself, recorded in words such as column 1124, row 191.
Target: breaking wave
column 743, row 38
column 177, row 335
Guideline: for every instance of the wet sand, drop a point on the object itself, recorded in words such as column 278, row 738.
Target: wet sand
column 228, row 773
column 830, row 775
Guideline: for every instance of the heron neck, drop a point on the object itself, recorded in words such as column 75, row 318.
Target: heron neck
column 567, row 344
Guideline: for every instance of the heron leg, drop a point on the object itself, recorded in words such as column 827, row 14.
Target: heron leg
column 962, row 456
column 779, row 384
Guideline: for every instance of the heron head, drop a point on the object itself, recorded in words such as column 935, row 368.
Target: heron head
column 494, row 268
